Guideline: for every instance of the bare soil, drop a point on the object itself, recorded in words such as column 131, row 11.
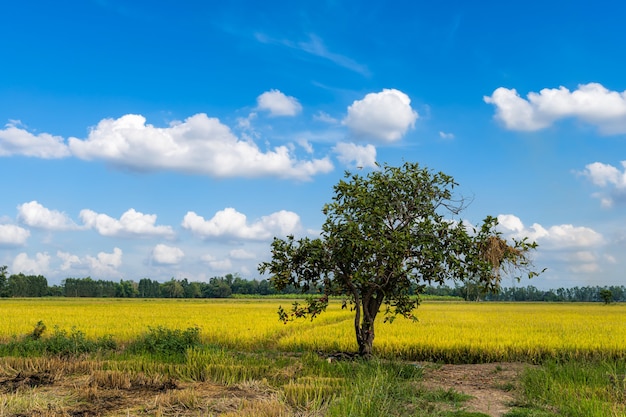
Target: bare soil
column 492, row 386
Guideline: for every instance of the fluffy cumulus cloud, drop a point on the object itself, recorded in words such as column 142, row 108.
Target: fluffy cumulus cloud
column 198, row 145
column 229, row 223
column 278, row 104
column 69, row 261
column 12, row 235
column 131, row 224
column 34, row 214
column 103, row 265
column 591, row 103
column 385, row 116
column 355, row 155
column 565, row 236
column 576, row 249
column 167, row 255
column 611, row 179
column 16, row 140
column 40, row 265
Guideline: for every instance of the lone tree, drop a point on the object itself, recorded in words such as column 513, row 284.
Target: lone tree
column 606, row 296
column 385, row 237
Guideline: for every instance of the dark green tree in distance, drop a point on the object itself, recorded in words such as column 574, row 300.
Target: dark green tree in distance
column 4, row 290
column 386, row 234
column 148, row 288
column 20, row 285
column 606, row 296
column 172, row 289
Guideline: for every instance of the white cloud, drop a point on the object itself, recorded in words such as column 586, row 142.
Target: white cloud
column 385, row 116
column 444, row 135
column 575, row 249
column 38, row 266
column 362, row 156
column 34, row 214
column 308, row 148
column 245, row 123
column 69, row 261
column 585, row 256
column 278, row 104
column 325, row 118
column 315, row 46
column 105, row 265
column 230, row 223
column 11, row 235
column 565, row 236
column 199, row 145
column 167, row 255
column 591, row 103
column 18, row 141
column 585, row 268
column 610, row 177
column 102, row 266
column 217, row 264
column 510, row 223
column 241, row 254
column 131, row 224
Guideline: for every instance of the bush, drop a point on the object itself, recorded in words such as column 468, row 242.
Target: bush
column 59, row 343
column 166, row 343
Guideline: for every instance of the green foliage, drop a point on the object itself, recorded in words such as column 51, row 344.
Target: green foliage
column 218, row 288
column 385, row 236
column 4, row 290
column 606, row 296
column 529, row 412
column 445, row 395
column 20, row 285
column 39, row 329
column 166, row 343
column 60, row 343
column 576, row 389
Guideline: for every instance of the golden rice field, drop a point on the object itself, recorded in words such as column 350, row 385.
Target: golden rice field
column 446, row 331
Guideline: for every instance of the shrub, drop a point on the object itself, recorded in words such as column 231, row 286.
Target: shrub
column 166, row 343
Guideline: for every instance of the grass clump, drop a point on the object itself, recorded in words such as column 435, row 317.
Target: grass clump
column 60, row 342
column 575, row 389
column 166, row 344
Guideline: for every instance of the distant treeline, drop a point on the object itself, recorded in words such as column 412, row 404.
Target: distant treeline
column 530, row 293
column 20, row 285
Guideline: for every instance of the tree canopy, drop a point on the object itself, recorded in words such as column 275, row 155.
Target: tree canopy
column 384, row 233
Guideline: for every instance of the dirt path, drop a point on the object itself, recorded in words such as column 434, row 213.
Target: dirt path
column 492, row 385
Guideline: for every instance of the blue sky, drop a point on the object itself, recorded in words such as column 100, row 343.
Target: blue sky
column 174, row 139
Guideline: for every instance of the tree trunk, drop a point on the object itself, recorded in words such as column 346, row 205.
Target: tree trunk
column 365, row 326
column 365, row 339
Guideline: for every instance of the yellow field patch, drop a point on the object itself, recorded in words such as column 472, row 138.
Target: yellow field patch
column 446, row 331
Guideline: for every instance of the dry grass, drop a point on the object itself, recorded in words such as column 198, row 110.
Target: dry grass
column 52, row 387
